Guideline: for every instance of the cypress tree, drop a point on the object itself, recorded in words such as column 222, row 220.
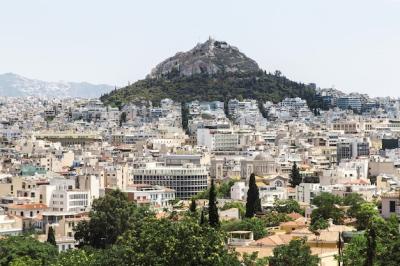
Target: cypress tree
column 202, row 218
column 193, row 206
column 213, row 218
column 253, row 203
column 50, row 237
column 371, row 245
column 295, row 178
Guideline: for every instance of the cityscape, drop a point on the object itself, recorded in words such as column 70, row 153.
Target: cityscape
column 210, row 159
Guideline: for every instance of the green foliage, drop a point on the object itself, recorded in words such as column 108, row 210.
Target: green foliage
column 351, row 255
column 79, row 257
column 366, row 211
column 327, row 208
column 287, row 206
column 192, row 207
column 294, row 254
column 185, row 116
column 122, row 119
column 252, row 260
column 51, row 239
column 202, row 218
column 256, row 225
column 25, row 250
column 272, row 219
column 379, row 245
column 25, row 261
column 166, row 242
column 318, row 224
column 354, row 200
column 223, row 190
column 110, row 217
column 235, row 204
column 295, row 177
column 326, row 198
column 222, row 86
column 253, row 203
column 213, row 217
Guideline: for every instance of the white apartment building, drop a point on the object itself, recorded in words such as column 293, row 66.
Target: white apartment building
column 187, row 180
column 157, row 197
column 217, row 140
column 269, row 194
column 238, row 191
column 9, row 225
column 305, row 192
column 70, row 200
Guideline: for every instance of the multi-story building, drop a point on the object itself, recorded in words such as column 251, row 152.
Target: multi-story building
column 305, row 192
column 156, row 197
column 218, row 140
column 349, row 102
column 391, row 204
column 187, row 180
column 238, row 191
column 351, row 149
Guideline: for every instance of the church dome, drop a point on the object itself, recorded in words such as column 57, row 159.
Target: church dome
column 262, row 156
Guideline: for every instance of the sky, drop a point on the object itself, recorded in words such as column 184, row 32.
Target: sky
column 352, row 45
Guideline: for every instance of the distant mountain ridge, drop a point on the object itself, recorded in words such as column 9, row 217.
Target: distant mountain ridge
column 14, row 85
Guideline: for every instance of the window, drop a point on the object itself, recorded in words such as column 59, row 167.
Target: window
column 392, row 206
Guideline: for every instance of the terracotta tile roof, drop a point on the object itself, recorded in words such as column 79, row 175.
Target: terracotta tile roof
column 29, row 206
column 274, row 240
column 360, row 181
column 295, row 215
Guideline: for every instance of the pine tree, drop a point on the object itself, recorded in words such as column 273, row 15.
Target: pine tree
column 213, row 218
column 253, row 203
column 295, row 178
column 50, row 237
column 193, row 206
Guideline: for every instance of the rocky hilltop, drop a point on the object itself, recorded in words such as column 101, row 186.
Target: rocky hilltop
column 210, row 57
column 210, row 71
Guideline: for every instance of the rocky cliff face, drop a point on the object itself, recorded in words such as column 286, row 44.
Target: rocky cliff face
column 209, row 57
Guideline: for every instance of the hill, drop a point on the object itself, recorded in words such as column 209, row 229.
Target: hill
column 219, row 72
column 14, row 85
column 210, row 57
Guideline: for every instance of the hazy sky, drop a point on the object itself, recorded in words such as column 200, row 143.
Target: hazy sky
column 351, row 44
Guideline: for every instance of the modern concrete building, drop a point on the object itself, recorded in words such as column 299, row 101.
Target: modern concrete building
column 187, row 180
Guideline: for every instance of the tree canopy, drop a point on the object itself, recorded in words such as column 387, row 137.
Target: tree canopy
column 260, row 86
column 25, row 249
column 256, row 225
column 110, row 217
column 294, row 254
column 328, row 208
column 295, row 177
column 287, row 206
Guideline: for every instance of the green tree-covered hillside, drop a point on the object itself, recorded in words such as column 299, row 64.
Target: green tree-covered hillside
column 259, row 85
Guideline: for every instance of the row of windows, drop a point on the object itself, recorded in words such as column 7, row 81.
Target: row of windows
column 79, row 203
column 163, row 177
column 78, row 196
column 170, row 184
